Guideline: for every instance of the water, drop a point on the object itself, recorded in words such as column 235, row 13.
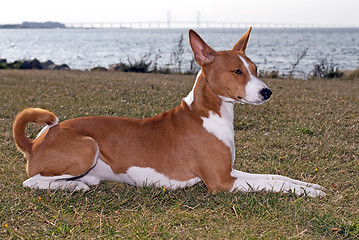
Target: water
column 270, row 49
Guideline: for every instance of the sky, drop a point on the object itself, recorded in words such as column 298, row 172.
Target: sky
column 324, row 12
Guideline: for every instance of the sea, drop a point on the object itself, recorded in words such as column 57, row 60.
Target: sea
column 272, row 49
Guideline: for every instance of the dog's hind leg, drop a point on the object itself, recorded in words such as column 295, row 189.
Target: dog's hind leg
column 60, row 158
column 57, row 182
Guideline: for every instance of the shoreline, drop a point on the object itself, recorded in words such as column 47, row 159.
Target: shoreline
column 143, row 67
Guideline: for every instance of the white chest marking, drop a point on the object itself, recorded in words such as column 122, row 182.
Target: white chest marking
column 222, row 126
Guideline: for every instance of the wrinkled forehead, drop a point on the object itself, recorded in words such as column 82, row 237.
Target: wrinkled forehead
column 233, row 59
column 245, row 60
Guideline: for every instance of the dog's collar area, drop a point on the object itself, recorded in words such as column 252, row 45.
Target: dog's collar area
column 227, row 99
column 240, row 100
column 243, row 101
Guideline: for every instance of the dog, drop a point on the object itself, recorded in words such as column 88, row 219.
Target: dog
column 178, row 148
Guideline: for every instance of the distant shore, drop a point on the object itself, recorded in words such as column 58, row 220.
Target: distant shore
column 25, row 25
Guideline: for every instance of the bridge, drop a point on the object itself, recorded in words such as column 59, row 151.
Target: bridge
column 198, row 24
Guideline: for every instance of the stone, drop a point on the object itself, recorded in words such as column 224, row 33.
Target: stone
column 47, row 64
column 31, row 64
column 99, row 69
column 116, row 67
column 59, row 67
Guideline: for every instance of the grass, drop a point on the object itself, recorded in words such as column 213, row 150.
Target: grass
column 309, row 130
column 354, row 74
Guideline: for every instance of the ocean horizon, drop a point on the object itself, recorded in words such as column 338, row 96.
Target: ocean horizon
column 272, row 49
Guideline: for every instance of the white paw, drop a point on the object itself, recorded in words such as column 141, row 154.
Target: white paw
column 57, row 182
column 70, row 185
column 248, row 182
column 314, row 190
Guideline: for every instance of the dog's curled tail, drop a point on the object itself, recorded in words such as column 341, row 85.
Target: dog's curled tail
column 36, row 115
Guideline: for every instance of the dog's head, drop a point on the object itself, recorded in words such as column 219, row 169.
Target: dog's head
column 230, row 74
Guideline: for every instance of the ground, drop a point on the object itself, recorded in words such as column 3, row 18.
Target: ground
column 309, row 130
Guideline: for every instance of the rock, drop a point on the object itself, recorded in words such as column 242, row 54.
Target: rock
column 47, row 64
column 59, row 67
column 3, row 63
column 31, row 64
column 99, row 69
column 50, row 65
column 15, row 65
column 116, row 67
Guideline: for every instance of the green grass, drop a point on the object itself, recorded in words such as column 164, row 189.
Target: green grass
column 309, row 130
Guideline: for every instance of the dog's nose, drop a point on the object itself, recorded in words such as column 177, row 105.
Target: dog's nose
column 265, row 93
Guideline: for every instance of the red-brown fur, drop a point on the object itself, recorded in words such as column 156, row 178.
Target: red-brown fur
column 173, row 143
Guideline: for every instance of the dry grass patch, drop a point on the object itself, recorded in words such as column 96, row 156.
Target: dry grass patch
column 309, row 130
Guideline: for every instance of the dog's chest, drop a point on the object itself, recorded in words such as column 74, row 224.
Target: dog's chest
column 222, row 126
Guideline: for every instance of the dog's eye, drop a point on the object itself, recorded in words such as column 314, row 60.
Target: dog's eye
column 238, row 71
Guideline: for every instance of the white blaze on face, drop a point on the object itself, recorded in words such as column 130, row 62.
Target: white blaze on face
column 253, row 87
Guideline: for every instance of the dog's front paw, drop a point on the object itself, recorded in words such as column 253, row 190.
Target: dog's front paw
column 314, row 190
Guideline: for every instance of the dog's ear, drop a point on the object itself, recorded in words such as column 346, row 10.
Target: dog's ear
column 241, row 45
column 203, row 54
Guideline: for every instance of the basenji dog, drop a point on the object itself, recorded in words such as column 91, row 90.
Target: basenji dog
column 178, row 148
